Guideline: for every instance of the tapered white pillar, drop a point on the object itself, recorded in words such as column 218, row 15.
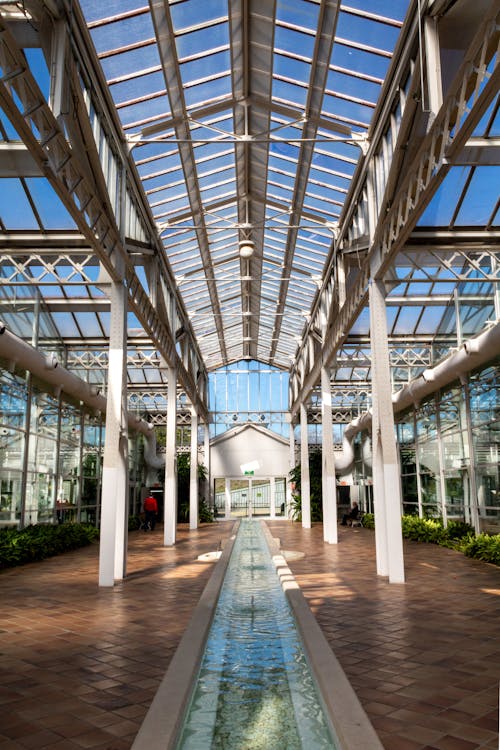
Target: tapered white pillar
column 305, row 485
column 114, row 500
column 329, row 488
column 170, row 494
column 227, row 499
column 193, row 472
column 386, row 477
column 292, row 466
column 206, row 461
column 273, row 497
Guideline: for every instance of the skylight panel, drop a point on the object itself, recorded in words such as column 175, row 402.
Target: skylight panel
column 15, row 209
column 358, row 60
column 440, row 210
column 122, row 32
column 213, row 64
column 151, row 84
column 49, row 207
column 190, row 12
column 143, row 112
column 202, row 40
column 291, row 40
column 347, row 111
column 96, row 10
column 131, row 61
column 367, row 31
column 289, row 93
column 285, row 66
column 391, row 9
column 89, row 323
column 481, row 197
column 216, row 178
column 352, row 86
column 208, row 92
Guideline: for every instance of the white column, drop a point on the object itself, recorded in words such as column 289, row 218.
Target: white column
column 227, row 498
column 114, row 498
column 386, row 479
column 288, row 504
column 193, row 472
column 273, row 496
column 305, row 486
column 329, row 489
column 170, row 493
column 206, row 461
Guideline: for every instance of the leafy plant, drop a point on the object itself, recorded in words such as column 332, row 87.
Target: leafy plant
column 19, row 546
column 457, row 535
column 368, row 520
column 484, row 547
column 315, row 484
column 183, row 483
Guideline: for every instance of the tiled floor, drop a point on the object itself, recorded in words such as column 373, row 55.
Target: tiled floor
column 423, row 657
column 79, row 665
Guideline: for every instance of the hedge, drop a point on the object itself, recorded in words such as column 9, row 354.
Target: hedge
column 457, row 535
column 19, row 546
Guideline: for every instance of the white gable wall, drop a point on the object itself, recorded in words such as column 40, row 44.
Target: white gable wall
column 245, row 446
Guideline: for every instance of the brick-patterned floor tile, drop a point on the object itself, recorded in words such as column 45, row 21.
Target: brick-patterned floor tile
column 80, row 665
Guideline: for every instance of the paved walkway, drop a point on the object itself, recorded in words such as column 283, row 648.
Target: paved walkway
column 80, row 665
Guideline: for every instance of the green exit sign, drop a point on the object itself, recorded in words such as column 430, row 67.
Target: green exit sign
column 249, row 473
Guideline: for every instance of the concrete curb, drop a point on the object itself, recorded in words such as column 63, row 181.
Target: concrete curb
column 348, row 719
column 163, row 722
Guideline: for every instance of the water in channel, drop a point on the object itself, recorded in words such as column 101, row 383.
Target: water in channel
column 254, row 690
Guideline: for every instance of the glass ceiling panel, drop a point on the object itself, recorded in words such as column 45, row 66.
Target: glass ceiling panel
column 210, row 177
column 122, row 32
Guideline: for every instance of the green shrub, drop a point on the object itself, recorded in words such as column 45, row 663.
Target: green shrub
column 457, row 535
column 315, row 488
column 368, row 520
column 134, row 523
column 423, row 529
column 484, row 547
column 19, row 546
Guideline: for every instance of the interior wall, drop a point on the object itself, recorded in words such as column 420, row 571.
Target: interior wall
column 246, row 446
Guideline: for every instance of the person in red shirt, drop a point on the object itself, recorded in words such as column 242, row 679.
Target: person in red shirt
column 150, row 510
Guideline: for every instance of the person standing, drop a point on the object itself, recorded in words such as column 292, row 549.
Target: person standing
column 150, row 510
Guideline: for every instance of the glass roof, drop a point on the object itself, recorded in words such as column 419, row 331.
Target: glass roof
column 248, row 123
column 220, row 141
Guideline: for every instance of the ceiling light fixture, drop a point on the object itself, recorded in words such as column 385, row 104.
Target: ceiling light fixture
column 246, row 248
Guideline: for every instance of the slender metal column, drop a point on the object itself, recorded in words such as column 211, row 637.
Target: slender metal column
column 170, row 493
column 292, row 466
column 305, row 485
column 193, row 472
column 273, row 496
column 473, row 490
column 206, row 461
column 113, row 499
column 329, row 489
column 227, row 499
column 386, row 480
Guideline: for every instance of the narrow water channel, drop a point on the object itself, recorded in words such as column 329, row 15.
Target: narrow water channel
column 254, row 689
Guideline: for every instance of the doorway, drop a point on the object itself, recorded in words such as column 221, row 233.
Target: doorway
column 250, row 497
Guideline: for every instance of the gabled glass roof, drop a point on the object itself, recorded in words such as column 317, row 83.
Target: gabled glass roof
column 213, row 103
column 248, row 122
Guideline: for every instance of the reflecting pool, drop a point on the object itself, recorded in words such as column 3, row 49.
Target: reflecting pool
column 254, row 689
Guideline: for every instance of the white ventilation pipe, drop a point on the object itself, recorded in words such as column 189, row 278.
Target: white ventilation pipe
column 46, row 368
column 472, row 354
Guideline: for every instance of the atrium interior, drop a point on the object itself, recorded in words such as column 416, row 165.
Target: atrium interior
column 249, row 263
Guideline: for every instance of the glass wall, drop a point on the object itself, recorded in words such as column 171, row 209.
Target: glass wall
column 449, row 454
column 248, row 391
column 51, row 457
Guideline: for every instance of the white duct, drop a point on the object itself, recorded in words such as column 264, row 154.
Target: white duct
column 472, row 354
column 46, row 368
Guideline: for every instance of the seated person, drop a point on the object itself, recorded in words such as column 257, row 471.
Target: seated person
column 353, row 515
